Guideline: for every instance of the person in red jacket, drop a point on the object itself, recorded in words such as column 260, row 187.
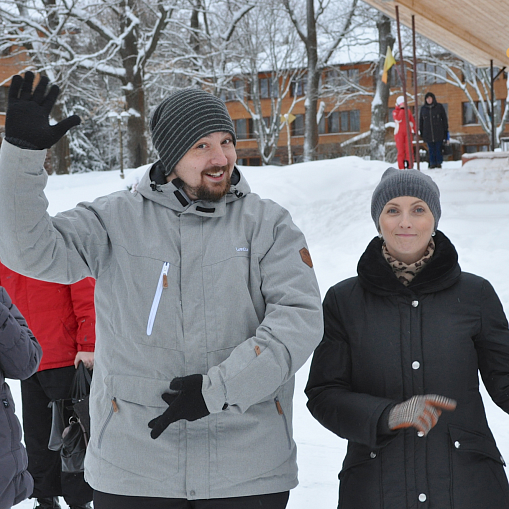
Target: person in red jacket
column 400, row 133
column 62, row 318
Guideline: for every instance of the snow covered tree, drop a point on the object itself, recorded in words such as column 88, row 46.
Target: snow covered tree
column 330, row 38
column 474, row 82
column 379, row 105
column 267, row 63
column 76, row 42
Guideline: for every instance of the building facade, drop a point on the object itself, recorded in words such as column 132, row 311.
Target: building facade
column 344, row 129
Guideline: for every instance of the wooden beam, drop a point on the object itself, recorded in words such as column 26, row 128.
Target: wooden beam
column 474, row 31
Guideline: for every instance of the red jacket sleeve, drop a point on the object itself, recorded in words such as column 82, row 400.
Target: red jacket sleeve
column 82, row 295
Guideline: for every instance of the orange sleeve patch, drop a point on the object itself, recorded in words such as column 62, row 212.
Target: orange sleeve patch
column 306, row 257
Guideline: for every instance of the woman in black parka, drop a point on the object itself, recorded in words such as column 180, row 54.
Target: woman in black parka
column 20, row 354
column 397, row 370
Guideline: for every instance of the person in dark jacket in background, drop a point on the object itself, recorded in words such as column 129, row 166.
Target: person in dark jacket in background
column 20, row 354
column 396, row 373
column 434, row 128
column 63, row 319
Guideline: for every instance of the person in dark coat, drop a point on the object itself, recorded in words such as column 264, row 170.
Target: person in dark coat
column 434, row 128
column 20, row 355
column 396, row 373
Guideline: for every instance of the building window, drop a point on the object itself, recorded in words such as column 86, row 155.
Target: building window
column 470, row 149
column 437, row 74
column 298, row 126
column 241, row 128
column 342, row 122
column 268, row 88
column 469, row 116
column 298, row 87
column 349, row 77
column 249, row 161
column 473, row 74
column 333, row 122
column 4, row 92
column 321, row 125
column 336, row 77
column 235, row 93
column 350, row 121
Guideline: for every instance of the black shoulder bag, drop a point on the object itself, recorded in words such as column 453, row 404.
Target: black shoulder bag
column 70, row 428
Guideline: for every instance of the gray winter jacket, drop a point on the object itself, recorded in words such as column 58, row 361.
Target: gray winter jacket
column 222, row 289
column 20, row 355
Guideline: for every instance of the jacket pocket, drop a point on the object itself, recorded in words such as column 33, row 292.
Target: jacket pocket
column 360, row 478
column 474, row 455
column 148, row 308
column 124, row 438
column 257, row 441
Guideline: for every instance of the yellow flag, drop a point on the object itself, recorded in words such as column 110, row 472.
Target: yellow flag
column 287, row 117
column 389, row 62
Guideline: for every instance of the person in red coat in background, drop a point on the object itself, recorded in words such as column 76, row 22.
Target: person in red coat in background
column 400, row 134
column 62, row 318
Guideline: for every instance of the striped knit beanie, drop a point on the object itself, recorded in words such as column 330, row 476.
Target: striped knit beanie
column 395, row 183
column 182, row 119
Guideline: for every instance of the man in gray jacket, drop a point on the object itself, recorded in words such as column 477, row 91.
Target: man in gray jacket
column 206, row 302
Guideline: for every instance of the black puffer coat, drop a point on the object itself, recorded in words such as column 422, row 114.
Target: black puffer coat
column 433, row 124
column 20, row 355
column 384, row 343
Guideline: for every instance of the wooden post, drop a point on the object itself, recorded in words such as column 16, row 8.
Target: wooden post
column 416, row 109
column 403, row 83
column 492, row 90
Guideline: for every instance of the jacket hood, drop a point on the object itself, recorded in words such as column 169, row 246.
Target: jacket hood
column 377, row 276
column 153, row 186
column 432, row 95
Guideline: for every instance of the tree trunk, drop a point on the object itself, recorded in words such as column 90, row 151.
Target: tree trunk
column 379, row 106
column 136, row 139
column 313, row 82
column 60, row 156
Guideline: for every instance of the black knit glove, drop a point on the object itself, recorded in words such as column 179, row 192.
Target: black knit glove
column 187, row 404
column 27, row 119
column 420, row 412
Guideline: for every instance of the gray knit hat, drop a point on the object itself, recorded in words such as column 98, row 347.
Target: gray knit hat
column 396, row 183
column 182, row 119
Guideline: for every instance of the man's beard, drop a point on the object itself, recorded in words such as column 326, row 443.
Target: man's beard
column 211, row 192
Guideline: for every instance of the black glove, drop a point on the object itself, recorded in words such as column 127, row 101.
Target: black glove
column 27, row 119
column 187, row 404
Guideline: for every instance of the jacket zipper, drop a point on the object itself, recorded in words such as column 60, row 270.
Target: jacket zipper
column 282, row 414
column 5, row 403
column 163, row 283
column 114, row 408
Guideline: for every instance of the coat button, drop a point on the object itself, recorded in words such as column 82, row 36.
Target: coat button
column 422, row 497
column 192, row 493
column 420, row 434
column 457, row 444
column 415, row 303
column 372, row 454
column 416, row 365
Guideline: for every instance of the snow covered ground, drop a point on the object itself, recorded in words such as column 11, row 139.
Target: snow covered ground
column 330, row 201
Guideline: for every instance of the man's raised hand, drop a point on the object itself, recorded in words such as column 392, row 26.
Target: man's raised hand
column 27, row 119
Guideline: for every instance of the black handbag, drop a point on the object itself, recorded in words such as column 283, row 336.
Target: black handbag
column 70, row 427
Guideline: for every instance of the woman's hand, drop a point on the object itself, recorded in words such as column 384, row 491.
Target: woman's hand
column 420, row 412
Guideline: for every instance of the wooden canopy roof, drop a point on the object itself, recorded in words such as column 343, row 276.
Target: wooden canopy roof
column 475, row 30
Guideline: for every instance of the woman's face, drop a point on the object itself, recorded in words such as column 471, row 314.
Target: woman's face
column 406, row 224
